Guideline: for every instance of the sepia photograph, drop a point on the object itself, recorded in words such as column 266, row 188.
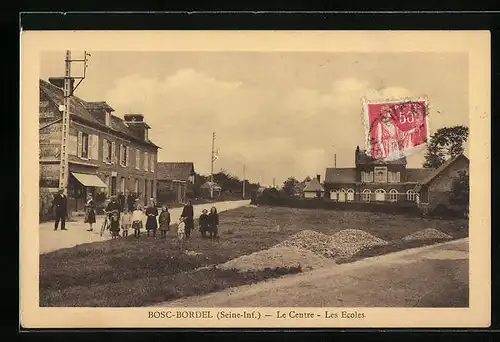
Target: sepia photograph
column 255, row 179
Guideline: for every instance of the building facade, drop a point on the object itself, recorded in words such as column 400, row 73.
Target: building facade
column 175, row 181
column 107, row 155
column 374, row 180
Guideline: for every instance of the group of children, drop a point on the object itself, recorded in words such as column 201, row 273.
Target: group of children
column 134, row 220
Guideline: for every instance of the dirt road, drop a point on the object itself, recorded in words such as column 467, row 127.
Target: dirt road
column 77, row 233
column 432, row 276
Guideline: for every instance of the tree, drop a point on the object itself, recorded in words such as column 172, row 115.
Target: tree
column 460, row 190
column 289, row 186
column 447, row 142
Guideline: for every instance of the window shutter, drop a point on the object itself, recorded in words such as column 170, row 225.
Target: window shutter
column 73, row 145
column 145, row 161
column 137, row 159
column 371, row 176
column 95, row 152
column 120, row 153
column 127, row 156
column 105, row 150
column 398, row 177
column 79, row 147
column 113, row 152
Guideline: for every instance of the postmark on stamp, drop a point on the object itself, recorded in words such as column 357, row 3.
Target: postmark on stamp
column 395, row 127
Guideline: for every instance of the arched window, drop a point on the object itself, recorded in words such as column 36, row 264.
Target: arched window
column 411, row 195
column 341, row 195
column 379, row 195
column 350, row 194
column 393, row 195
column 333, row 195
column 366, row 195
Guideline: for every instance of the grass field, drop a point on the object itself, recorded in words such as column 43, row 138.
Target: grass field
column 138, row 272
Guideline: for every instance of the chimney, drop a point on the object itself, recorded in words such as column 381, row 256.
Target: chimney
column 318, row 177
column 137, row 124
column 356, row 155
column 59, row 82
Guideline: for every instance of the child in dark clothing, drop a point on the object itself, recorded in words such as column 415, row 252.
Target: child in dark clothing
column 164, row 221
column 203, row 222
column 213, row 223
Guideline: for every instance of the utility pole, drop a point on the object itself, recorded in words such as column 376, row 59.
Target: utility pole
column 212, row 166
column 274, row 182
column 335, row 160
column 68, row 90
column 244, row 180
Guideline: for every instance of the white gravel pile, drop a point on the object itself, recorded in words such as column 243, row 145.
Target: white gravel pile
column 277, row 257
column 310, row 240
column 350, row 241
column 427, row 234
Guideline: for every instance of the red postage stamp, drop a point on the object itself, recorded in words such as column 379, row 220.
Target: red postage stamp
column 394, row 128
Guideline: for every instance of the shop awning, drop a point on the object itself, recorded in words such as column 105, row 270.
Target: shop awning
column 89, row 180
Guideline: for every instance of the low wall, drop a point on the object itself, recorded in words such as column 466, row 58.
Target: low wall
column 382, row 207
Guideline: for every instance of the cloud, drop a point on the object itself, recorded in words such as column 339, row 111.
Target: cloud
column 277, row 133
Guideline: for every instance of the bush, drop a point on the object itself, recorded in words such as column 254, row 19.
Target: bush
column 46, row 213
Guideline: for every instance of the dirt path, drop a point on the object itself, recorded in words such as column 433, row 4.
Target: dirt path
column 432, row 276
column 77, row 233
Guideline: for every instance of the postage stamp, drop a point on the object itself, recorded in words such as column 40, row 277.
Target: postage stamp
column 396, row 127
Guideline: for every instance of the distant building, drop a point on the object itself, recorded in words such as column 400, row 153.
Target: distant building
column 175, row 181
column 391, row 181
column 107, row 155
column 210, row 190
column 313, row 188
column 437, row 187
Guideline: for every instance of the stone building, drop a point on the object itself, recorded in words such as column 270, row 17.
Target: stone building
column 374, row 180
column 107, row 155
column 175, row 181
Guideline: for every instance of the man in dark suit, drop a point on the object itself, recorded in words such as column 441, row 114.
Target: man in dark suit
column 188, row 214
column 60, row 205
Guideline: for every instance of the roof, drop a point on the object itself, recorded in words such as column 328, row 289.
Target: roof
column 440, row 169
column 211, row 184
column 340, row 175
column 418, row 175
column 313, row 185
column 174, row 170
column 303, row 184
column 98, row 105
column 364, row 158
column 81, row 109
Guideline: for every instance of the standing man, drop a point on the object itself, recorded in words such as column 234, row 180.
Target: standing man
column 130, row 202
column 188, row 214
column 60, row 206
column 121, row 201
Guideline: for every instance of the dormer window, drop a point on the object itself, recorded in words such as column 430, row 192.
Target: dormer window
column 108, row 119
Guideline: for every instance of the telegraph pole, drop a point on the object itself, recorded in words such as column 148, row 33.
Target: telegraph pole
column 335, row 160
column 63, row 170
column 244, row 180
column 212, row 166
column 68, row 90
column 274, row 182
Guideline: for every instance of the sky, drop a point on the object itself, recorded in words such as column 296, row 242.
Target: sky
column 275, row 114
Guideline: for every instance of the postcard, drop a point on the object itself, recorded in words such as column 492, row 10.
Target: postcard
column 255, row 179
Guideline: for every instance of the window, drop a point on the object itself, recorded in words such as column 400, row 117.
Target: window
column 411, row 195
column 394, row 177
column 350, row 194
column 152, row 163
column 380, row 174
column 123, row 155
column 333, row 195
column 108, row 183
column 146, row 134
column 393, row 195
column 341, row 194
column 136, row 186
column 366, row 177
column 83, row 145
column 137, row 159
column 122, row 185
column 146, row 160
column 380, row 195
column 366, row 195
column 108, row 119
